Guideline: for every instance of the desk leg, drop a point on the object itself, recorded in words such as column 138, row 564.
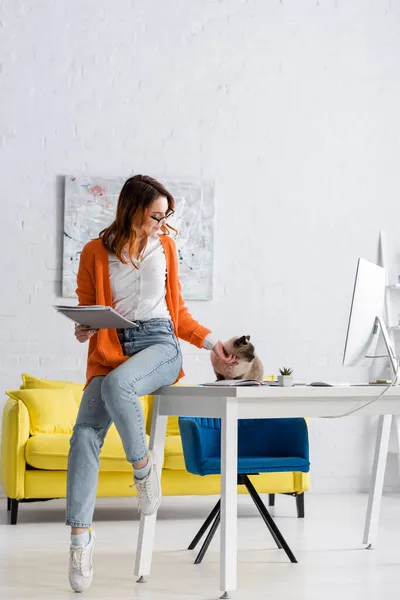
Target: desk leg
column 397, row 426
column 144, row 551
column 229, row 452
column 378, row 474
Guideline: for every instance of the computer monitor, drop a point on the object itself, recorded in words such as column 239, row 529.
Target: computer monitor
column 366, row 316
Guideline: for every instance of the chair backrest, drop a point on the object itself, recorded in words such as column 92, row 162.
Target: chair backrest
column 256, row 437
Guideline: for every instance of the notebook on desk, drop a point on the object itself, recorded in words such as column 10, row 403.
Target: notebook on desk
column 240, row 383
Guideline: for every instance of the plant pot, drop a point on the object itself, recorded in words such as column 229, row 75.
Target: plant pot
column 285, row 380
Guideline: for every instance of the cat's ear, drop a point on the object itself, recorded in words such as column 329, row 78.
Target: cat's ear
column 247, row 337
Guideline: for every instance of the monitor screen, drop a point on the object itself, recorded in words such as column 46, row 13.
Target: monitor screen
column 368, row 303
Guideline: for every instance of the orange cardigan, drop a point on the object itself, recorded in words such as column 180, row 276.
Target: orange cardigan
column 105, row 352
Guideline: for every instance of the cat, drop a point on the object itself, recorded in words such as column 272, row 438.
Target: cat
column 249, row 366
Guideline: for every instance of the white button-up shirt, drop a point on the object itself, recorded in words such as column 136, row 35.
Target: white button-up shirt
column 139, row 294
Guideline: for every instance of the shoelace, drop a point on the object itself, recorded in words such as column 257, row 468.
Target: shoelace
column 77, row 558
column 144, row 489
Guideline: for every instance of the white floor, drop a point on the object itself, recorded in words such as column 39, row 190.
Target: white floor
column 327, row 544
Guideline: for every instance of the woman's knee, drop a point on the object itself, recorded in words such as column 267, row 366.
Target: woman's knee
column 116, row 391
column 111, row 387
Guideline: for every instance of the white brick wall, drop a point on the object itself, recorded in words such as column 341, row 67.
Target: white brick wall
column 292, row 107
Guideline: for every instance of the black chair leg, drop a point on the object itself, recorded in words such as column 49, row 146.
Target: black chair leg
column 276, row 540
column 271, row 499
column 208, row 539
column 14, row 511
column 8, row 503
column 205, row 526
column 267, row 518
column 300, row 505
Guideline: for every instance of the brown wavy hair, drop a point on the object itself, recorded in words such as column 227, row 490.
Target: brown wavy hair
column 135, row 199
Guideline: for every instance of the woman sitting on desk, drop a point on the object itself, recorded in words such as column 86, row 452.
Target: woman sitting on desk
column 132, row 266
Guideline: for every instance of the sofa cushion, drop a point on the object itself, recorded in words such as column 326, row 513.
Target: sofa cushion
column 50, row 452
column 32, row 382
column 173, row 458
column 50, row 411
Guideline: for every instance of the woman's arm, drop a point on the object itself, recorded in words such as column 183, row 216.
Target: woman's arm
column 191, row 331
column 86, row 293
column 209, row 342
column 85, row 290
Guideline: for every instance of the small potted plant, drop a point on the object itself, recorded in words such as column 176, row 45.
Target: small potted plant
column 285, row 377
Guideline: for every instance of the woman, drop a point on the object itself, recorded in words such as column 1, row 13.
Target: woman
column 132, row 266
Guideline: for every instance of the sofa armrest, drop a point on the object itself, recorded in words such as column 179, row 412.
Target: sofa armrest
column 15, row 434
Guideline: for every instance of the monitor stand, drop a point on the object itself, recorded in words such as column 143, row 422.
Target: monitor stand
column 381, row 450
column 380, row 324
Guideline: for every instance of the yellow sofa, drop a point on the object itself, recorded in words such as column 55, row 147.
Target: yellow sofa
column 36, row 427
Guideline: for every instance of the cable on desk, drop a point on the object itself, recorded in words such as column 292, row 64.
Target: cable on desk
column 353, row 410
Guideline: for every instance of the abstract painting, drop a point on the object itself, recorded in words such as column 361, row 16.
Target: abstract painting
column 90, row 205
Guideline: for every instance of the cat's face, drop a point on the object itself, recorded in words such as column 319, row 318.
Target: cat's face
column 242, row 347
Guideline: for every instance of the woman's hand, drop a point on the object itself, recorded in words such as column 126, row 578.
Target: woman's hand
column 228, row 359
column 83, row 333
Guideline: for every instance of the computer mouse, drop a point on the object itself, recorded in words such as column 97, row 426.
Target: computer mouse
column 320, row 384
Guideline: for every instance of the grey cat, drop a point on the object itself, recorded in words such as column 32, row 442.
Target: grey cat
column 249, row 367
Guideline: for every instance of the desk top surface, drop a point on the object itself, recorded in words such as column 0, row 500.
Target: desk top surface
column 300, row 392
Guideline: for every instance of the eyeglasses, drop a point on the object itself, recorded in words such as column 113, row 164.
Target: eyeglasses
column 163, row 218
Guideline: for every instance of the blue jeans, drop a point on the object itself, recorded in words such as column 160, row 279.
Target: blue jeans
column 155, row 360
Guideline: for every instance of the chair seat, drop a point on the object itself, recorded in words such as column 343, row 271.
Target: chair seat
column 257, row 464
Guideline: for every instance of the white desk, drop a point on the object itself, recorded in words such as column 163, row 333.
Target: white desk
column 231, row 404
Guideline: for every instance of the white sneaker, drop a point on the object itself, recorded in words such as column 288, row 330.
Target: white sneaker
column 81, row 565
column 149, row 489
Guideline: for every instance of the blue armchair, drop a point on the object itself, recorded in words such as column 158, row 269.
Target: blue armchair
column 264, row 445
